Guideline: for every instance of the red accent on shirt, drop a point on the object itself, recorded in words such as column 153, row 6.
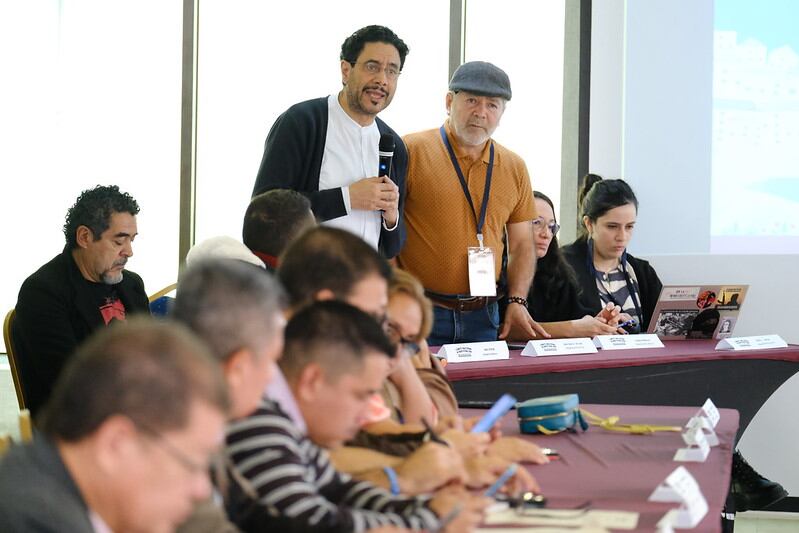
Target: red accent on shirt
column 112, row 309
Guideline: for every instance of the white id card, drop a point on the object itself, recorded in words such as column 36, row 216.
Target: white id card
column 482, row 277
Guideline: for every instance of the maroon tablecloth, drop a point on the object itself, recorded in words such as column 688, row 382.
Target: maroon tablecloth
column 622, row 470
column 674, row 351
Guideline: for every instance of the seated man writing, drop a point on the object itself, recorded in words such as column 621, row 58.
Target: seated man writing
column 334, row 360
column 327, row 263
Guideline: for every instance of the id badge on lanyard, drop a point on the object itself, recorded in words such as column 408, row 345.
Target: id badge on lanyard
column 482, row 270
column 482, row 274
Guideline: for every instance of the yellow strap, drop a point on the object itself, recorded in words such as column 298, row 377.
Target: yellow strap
column 545, row 431
column 611, row 423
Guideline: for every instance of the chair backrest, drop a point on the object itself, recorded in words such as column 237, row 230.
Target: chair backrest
column 12, row 358
column 25, row 432
column 5, row 443
column 163, row 292
column 160, row 303
column 25, row 426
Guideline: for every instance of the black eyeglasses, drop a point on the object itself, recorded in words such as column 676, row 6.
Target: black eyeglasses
column 392, row 330
column 375, row 68
column 191, row 466
column 539, row 225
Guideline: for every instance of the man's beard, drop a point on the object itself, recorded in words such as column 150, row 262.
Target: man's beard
column 354, row 100
column 111, row 278
column 471, row 137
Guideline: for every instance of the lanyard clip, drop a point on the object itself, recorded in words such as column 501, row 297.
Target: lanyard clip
column 480, row 239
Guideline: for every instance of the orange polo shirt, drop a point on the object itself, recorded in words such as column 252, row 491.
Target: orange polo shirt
column 440, row 223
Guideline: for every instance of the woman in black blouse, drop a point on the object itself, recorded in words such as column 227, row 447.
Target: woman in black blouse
column 606, row 273
column 554, row 295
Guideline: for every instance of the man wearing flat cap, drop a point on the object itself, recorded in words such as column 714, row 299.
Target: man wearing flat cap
column 464, row 192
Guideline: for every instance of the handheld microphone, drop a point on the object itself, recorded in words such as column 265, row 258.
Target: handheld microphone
column 385, row 153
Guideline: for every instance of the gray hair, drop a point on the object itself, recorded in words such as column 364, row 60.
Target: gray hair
column 146, row 370
column 229, row 304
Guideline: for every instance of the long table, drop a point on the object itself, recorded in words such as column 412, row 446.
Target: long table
column 682, row 373
column 617, row 471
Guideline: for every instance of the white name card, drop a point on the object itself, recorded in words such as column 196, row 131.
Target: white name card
column 756, row 342
column 559, row 347
column 697, row 449
column 665, row 525
column 712, row 412
column 467, row 352
column 627, row 342
column 680, row 486
column 706, row 427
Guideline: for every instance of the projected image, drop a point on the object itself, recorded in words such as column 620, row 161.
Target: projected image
column 755, row 181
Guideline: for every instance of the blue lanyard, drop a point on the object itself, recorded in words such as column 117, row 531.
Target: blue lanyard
column 480, row 222
column 627, row 280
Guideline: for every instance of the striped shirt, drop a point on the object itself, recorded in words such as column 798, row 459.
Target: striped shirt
column 294, row 478
column 612, row 287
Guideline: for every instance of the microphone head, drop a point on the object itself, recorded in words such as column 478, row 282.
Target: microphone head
column 386, row 143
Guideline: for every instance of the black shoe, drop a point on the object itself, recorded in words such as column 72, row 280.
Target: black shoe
column 750, row 490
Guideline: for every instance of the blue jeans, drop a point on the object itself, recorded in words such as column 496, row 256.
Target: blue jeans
column 468, row 326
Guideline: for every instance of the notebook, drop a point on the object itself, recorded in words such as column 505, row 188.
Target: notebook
column 697, row 311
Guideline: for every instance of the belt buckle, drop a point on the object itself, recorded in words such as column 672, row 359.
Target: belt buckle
column 470, row 304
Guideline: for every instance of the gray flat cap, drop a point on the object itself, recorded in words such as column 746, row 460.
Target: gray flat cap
column 481, row 78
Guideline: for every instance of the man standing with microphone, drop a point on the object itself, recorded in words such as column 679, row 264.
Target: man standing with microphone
column 335, row 150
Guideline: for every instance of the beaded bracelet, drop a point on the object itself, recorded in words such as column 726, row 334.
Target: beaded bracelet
column 517, row 300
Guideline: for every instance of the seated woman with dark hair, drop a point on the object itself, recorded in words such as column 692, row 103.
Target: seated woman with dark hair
column 606, row 273
column 553, row 300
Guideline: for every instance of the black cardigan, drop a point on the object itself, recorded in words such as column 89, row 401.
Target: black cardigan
column 566, row 306
column 649, row 284
column 293, row 160
column 53, row 316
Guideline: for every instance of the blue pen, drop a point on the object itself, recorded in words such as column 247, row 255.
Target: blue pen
column 630, row 322
column 506, row 475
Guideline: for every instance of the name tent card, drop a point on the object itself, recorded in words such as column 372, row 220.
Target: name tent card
column 697, row 449
column 628, row 342
column 665, row 525
column 701, row 423
column 468, row 352
column 705, row 420
column 712, row 412
column 559, row 347
column 680, row 486
column 756, row 342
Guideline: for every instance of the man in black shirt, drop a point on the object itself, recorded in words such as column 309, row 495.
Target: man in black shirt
column 84, row 288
